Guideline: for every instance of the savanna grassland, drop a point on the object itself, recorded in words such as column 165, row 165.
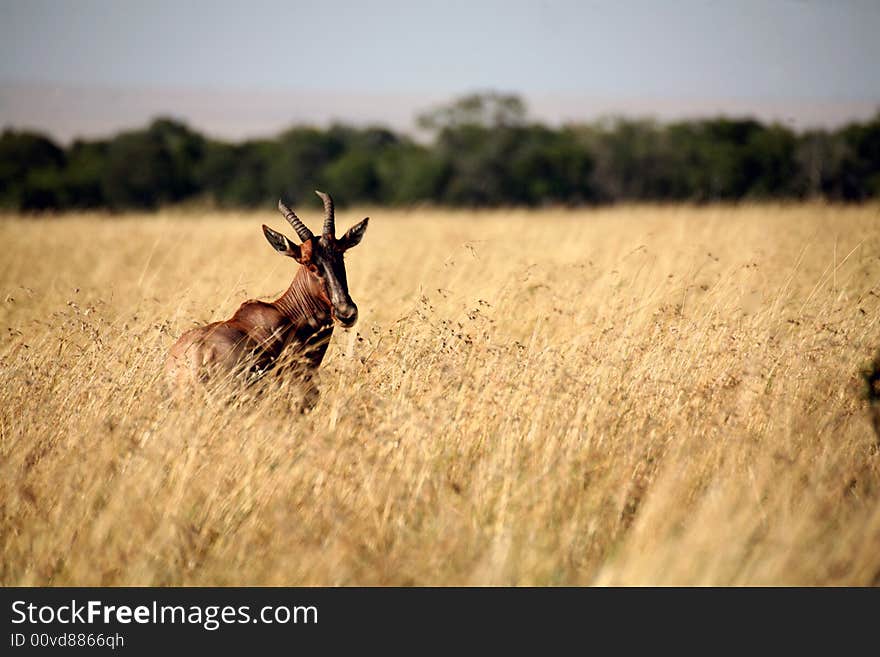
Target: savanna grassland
column 636, row 395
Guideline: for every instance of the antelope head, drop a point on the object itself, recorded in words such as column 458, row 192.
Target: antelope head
column 322, row 256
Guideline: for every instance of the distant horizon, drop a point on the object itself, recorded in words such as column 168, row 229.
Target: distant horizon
column 67, row 112
column 243, row 70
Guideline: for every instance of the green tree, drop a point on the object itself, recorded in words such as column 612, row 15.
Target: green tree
column 297, row 160
column 487, row 110
column 147, row 168
column 410, row 173
column 235, row 175
column 483, row 152
column 30, row 167
column 859, row 173
column 84, row 173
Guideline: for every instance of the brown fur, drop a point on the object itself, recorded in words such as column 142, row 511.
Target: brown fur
column 254, row 338
column 298, row 324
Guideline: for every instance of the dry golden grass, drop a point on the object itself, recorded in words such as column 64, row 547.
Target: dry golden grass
column 627, row 396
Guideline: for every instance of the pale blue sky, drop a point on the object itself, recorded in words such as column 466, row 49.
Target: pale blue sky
column 827, row 49
column 740, row 50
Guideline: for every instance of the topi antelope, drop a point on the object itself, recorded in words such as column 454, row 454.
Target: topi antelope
column 299, row 321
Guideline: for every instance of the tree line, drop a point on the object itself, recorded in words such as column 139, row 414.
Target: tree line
column 483, row 151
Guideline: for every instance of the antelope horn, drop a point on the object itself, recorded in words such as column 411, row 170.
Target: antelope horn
column 329, row 216
column 301, row 229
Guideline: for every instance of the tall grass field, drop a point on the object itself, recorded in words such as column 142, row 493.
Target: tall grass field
column 644, row 395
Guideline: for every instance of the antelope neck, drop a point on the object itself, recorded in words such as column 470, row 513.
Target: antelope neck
column 304, row 300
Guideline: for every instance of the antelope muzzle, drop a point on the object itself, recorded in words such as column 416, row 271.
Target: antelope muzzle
column 346, row 314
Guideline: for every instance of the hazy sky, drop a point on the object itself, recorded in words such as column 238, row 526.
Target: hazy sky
column 740, row 50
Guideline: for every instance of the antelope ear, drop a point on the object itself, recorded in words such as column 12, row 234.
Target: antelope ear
column 354, row 235
column 281, row 244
